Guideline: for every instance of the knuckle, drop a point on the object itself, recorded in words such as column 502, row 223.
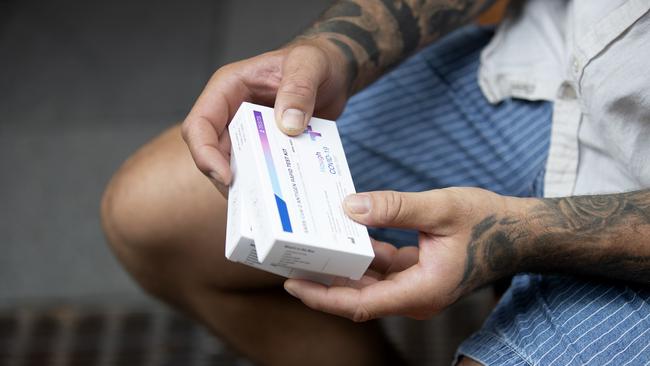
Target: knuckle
column 313, row 303
column 186, row 126
column 200, row 153
column 299, row 87
column 454, row 202
column 463, row 201
column 190, row 129
column 224, row 70
column 390, row 208
column 361, row 314
column 200, row 159
column 304, row 50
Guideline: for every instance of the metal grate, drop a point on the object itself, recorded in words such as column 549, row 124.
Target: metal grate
column 75, row 336
column 153, row 336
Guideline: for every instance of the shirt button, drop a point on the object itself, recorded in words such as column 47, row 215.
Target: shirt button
column 576, row 65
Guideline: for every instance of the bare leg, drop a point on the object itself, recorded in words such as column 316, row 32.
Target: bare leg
column 166, row 223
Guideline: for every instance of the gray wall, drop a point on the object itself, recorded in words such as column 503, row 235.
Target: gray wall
column 82, row 85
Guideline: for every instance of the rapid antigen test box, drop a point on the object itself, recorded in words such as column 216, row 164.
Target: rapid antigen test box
column 285, row 203
column 240, row 246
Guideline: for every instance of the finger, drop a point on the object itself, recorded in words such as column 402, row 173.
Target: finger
column 371, row 276
column 404, row 258
column 224, row 144
column 396, row 297
column 384, row 253
column 207, row 121
column 367, row 279
column 413, row 210
column 303, row 71
column 203, row 141
column 225, row 150
column 389, row 259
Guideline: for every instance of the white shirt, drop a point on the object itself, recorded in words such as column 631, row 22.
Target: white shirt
column 592, row 59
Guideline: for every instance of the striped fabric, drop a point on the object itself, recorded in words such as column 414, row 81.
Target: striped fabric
column 427, row 125
column 554, row 320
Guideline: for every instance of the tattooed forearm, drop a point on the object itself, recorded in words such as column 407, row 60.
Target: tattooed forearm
column 491, row 251
column 376, row 34
column 604, row 235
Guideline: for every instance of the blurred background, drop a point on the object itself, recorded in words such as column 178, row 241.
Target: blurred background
column 82, row 85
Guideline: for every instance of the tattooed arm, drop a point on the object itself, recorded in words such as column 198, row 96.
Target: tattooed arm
column 353, row 43
column 377, row 34
column 471, row 237
column 603, row 235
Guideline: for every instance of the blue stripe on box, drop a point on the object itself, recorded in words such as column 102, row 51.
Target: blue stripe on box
column 273, row 175
column 284, row 214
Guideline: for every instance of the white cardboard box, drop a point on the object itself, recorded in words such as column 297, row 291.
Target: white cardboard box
column 290, row 191
column 240, row 246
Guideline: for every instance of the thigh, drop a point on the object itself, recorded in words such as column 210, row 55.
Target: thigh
column 427, row 125
column 557, row 320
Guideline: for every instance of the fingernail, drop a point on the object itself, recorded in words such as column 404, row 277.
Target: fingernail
column 357, row 203
column 293, row 119
column 288, row 289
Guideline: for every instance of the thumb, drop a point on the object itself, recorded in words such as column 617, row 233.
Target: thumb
column 303, row 70
column 421, row 211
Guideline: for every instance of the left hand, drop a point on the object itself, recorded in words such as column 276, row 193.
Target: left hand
column 463, row 245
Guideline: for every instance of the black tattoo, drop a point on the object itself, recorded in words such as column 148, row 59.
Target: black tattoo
column 377, row 34
column 502, row 250
column 342, row 9
column 408, row 24
column 587, row 213
column 491, row 250
column 483, row 226
column 448, row 17
column 601, row 235
column 354, row 32
column 477, row 232
column 353, row 68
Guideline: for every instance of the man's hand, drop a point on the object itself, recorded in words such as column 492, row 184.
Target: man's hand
column 306, row 77
column 420, row 281
column 470, row 237
column 352, row 44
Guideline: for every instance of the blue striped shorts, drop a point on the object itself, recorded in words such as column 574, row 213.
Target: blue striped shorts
column 427, row 125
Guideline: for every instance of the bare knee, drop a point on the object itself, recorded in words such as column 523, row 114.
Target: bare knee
column 122, row 217
column 123, row 210
column 166, row 222
column 140, row 205
column 155, row 213
column 126, row 209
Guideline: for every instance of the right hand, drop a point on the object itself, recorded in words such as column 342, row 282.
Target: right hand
column 304, row 78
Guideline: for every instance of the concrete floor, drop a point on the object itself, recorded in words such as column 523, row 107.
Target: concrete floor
column 82, row 85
